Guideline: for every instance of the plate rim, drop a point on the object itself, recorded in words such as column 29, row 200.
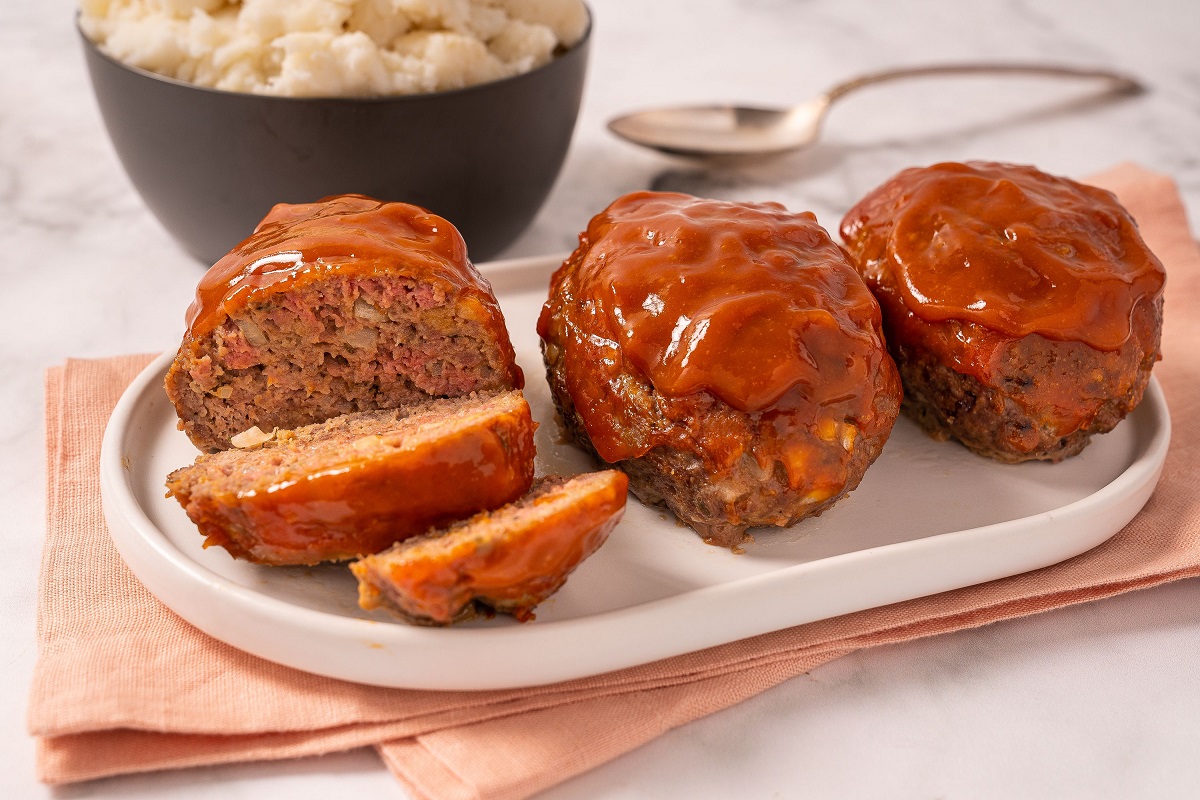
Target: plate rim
column 514, row 650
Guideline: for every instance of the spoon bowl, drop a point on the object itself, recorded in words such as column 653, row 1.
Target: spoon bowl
column 709, row 131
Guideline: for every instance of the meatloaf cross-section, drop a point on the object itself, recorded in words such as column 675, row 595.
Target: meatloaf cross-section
column 329, row 308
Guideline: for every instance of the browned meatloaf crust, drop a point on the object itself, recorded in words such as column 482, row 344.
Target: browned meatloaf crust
column 720, row 507
column 721, row 464
column 358, row 483
column 335, row 307
column 509, row 560
column 1057, row 333
column 1013, row 417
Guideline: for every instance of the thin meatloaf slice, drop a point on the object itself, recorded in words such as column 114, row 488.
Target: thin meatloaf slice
column 509, row 560
column 358, row 483
column 329, row 308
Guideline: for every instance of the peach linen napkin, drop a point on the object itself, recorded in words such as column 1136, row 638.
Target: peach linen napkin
column 123, row 685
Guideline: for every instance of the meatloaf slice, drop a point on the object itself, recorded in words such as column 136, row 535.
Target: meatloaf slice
column 358, row 483
column 331, row 308
column 509, row 560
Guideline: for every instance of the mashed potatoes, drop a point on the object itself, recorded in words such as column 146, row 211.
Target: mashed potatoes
column 323, row 48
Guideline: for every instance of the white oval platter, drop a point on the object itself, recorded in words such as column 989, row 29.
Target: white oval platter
column 928, row 517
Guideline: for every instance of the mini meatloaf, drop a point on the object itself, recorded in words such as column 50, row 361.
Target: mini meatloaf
column 344, row 305
column 726, row 356
column 358, row 483
column 1023, row 310
column 509, row 560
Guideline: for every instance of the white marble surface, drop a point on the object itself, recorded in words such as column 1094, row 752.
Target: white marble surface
column 1098, row 701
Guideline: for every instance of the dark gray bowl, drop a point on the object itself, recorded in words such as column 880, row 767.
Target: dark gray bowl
column 210, row 164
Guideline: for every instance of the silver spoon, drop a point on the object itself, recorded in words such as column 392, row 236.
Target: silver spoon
column 723, row 130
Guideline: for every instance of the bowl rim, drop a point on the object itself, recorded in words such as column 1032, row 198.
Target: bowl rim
column 343, row 99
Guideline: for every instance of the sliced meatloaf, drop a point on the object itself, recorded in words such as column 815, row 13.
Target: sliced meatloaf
column 509, row 560
column 334, row 307
column 358, row 483
column 1023, row 310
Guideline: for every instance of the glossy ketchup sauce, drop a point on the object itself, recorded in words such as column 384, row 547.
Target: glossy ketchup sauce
column 746, row 303
column 352, row 235
column 1007, row 248
column 507, row 563
column 371, row 493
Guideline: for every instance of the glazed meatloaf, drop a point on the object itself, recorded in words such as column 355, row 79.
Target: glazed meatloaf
column 1023, row 309
column 509, row 560
column 358, row 483
column 726, row 356
column 334, row 307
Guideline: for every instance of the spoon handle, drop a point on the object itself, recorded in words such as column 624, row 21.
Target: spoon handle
column 1121, row 84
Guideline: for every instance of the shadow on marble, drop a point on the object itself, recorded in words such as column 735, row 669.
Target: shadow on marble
column 723, row 175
